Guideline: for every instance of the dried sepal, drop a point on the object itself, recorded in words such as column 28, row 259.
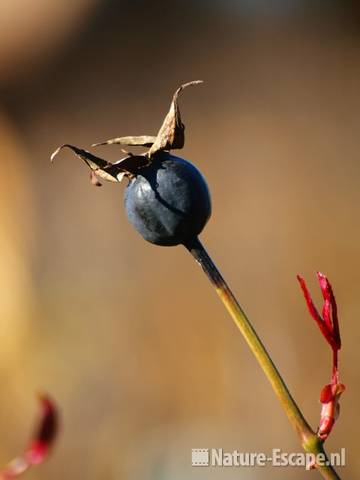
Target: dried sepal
column 99, row 166
column 137, row 141
column 131, row 163
column 40, row 444
column 171, row 134
column 104, row 170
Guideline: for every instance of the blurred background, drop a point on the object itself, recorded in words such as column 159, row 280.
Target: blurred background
column 128, row 337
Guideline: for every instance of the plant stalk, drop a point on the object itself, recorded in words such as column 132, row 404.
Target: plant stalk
column 308, row 438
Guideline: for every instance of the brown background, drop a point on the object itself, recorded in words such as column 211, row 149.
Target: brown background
column 141, row 357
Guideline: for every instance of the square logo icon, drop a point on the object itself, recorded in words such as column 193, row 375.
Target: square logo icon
column 200, row 457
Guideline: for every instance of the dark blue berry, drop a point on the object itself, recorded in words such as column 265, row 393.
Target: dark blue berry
column 168, row 202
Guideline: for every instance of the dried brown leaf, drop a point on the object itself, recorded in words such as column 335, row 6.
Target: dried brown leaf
column 135, row 141
column 111, row 172
column 171, row 134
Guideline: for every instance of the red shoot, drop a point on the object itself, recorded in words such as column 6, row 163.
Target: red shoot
column 330, row 410
column 328, row 324
column 40, row 444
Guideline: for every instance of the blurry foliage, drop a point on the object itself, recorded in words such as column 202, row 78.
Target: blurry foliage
column 126, row 336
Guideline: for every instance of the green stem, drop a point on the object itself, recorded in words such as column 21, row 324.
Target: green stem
column 309, row 440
